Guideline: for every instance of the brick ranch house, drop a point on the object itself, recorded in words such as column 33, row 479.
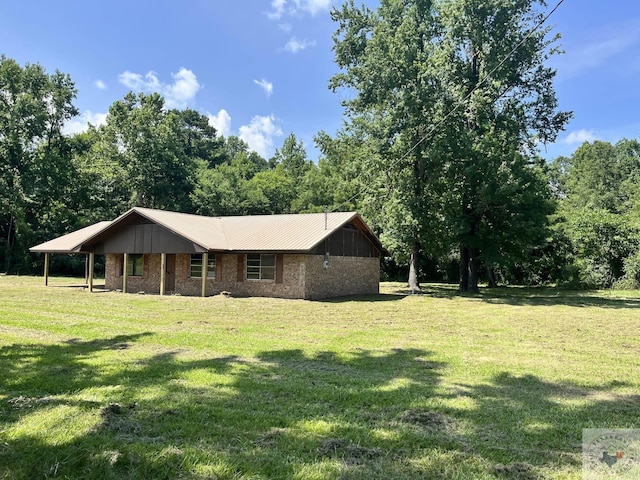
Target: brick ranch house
column 308, row 256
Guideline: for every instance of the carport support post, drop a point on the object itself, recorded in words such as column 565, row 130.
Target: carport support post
column 46, row 269
column 163, row 272
column 205, row 272
column 91, row 260
column 125, row 274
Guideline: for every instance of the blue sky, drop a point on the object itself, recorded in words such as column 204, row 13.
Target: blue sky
column 260, row 69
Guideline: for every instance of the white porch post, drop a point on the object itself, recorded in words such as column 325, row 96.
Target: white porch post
column 163, row 272
column 125, row 273
column 91, row 261
column 205, row 272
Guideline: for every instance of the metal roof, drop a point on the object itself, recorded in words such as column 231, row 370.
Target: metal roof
column 289, row 233
column 70, row 242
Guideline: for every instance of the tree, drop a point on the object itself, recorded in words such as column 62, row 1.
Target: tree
column 494, row 66
column 200, row 140
column 386, row 60
column 146, row 155
column 159, row 149
column 102, row 181
column 452, row 96
column 292, row 157
column 269, row 192
column 599, row 198
column 34, row 106
column 222, row 190
column 601, row 175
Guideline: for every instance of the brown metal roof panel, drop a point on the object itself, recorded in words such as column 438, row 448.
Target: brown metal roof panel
column 205, row 231
column 299, row 232
column 70, row 242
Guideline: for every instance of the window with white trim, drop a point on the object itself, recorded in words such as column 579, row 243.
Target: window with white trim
column 261, row 266
column 195, row 266
column 135, row 264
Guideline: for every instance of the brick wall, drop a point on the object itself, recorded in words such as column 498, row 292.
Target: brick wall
column 344, row 276
column 227, row 279
column 112, row 277
column 303, row 277
column 149, row 282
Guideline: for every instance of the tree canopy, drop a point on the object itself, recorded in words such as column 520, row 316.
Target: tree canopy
column 450, row 98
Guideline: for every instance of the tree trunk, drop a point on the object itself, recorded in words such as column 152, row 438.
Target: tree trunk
column 7, row 251
column 464, row 268
column 414, row 283
column 474, row 265
column 469, row 266
column 492, row 277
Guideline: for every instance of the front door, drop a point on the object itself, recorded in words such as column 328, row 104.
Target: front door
column 170, row 284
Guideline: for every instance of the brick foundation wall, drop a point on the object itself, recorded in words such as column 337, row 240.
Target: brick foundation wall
column 344, row 276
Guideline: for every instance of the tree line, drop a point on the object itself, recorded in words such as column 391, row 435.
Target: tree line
column 144, row 155
column 446, row 104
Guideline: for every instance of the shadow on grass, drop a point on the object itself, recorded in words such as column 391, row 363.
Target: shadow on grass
column 373, row 298
column 283, row 414
column 526, row 296
column 554, row 297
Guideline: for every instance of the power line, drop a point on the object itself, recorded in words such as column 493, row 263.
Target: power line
column 482, row 81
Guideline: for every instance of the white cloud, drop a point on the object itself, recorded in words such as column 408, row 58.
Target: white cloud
column 259, row 134
column 281, row 8
column 294, row 45
column 135, row 81
column 178, row 94
column 184, row 88
column 81, row 123
column 285, row 27
column 100, row 85
column 265, row 85
column 578, row 137
column 278, row 9
column 314, row 6
column 221, row 122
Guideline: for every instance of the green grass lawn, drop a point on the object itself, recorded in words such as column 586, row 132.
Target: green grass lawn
column 493, row 386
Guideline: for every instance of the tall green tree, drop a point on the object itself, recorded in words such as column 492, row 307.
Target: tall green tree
column 600, row 175
column 292, row 157
column 454, row 96
column 34, row 106
column 149, row 143
column 493, row 58
column 200, row 140
column 160, row 150
column 385, row 57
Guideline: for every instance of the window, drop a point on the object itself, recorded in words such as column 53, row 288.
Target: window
column 195, row 270
column 261, row 266
column 135, row 264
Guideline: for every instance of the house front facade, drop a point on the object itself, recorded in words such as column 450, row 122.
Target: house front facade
column 307, row 256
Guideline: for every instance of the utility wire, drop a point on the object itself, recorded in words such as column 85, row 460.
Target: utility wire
column 461, row 102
